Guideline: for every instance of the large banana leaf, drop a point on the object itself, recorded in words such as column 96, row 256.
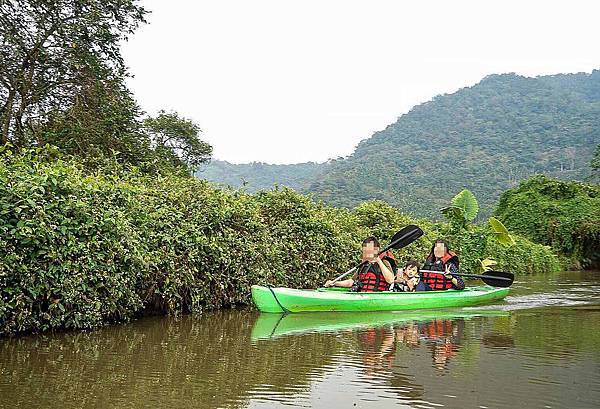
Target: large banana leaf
column 501, row 233
column 453, row 213
column 485, row 265
column 466, row 201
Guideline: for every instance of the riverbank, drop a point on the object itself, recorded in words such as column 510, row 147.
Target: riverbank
column 80, row 250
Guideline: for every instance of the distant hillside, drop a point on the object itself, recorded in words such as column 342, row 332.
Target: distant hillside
column 259, row 176
column 486, row 138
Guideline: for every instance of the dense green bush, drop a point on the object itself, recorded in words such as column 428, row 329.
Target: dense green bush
column 79, row 250
column 564, row 215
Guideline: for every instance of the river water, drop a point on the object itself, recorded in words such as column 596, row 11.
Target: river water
column 539, row 348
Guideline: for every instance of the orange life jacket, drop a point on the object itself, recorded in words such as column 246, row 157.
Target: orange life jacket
column 438, row 281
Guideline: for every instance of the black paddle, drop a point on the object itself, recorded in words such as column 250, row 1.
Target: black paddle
column 401, row 239
column 501, row 279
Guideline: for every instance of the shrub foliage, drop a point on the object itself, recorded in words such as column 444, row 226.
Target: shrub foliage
column 564, row 215
column 79, row 250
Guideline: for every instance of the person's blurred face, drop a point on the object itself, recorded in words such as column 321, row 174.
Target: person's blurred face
column 369, row 250
column 439, row 250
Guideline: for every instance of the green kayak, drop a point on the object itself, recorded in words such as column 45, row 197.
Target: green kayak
column 280, row 299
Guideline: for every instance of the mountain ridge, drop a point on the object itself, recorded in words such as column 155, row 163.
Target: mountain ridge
column 486, row 137
column 255, row 176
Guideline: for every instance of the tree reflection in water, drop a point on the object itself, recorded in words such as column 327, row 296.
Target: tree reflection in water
column 235, row 359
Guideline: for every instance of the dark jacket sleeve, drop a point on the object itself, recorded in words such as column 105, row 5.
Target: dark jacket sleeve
column 460, row 284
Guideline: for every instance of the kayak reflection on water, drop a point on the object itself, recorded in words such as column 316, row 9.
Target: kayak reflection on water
column 444, row 337
column 383, row 339
column 270, row 326
column 379, row 346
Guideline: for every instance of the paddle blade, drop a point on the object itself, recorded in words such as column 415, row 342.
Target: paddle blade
column 402, row 232
column 405, row 236
column 501, row 279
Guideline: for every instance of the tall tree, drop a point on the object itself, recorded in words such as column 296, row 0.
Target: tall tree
column 176, row 140
column 45, row 46
column 102, row 121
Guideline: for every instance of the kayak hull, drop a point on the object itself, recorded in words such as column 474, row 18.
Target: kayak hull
column 281, row 299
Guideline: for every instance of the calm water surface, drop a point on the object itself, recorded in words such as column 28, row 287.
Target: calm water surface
column 539, row 348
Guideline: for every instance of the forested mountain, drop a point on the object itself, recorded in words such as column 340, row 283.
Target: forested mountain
column 485, row 138
column 260, row 176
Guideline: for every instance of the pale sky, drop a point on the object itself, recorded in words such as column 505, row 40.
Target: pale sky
column 294, row 81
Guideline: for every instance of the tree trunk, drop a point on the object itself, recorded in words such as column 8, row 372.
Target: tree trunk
column 7, row 116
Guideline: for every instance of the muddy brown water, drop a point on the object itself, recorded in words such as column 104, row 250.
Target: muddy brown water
column 539, row 348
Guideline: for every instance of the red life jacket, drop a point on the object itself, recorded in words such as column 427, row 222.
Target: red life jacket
column 437, row 281
column 370, row 277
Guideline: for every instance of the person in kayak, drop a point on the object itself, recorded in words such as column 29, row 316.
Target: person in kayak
column 446, row 262
column 374, row 274
column 408, row 279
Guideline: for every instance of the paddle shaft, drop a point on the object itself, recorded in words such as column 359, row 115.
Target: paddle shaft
column 470, row 275
column 353, row 269
column 409, row 234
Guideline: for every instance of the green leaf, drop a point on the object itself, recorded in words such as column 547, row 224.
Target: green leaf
column 455, row 215
column 484, row 265
column 467, row 202
column 452, row 212
column 501, row 233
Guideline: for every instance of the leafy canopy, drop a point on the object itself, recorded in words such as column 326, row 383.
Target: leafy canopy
column 564, row 215
column 49, row 50
column 62, row 83
column 177, row 140
column 102, row 122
